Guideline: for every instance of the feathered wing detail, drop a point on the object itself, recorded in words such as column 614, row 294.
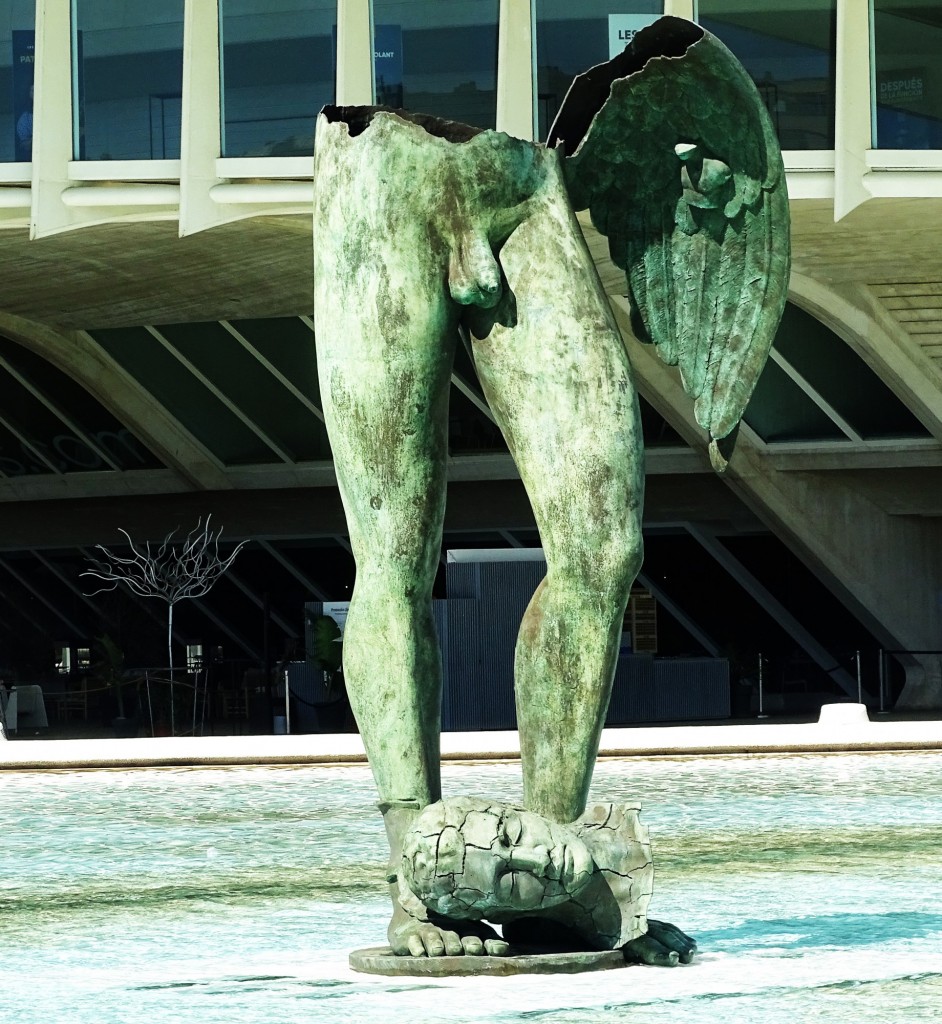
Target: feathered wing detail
column 670, row 148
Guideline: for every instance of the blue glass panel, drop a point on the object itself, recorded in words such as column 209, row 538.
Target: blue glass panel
column 438, row 58
column 44, row 442
column 129, row 75
column 571, row 38
column 789, row 52
column 17, row 43
column 907, row 45
column 278, row 68
column 780, row 411
column 842, row 378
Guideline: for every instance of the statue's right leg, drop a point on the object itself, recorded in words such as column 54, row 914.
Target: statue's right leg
column 384, row 401
column 385, row 335
column 384, row 389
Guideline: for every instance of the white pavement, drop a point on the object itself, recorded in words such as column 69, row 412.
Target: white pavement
column 847, row 730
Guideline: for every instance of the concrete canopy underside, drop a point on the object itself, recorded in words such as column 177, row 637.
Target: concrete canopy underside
column 865, row 519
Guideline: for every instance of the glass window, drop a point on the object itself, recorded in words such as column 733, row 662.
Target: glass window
column 194, row 657
column 573, row 37
column 62, row 655
column 40, row 441
column 780, row 411
column 17, row 46
column 842, row 378
column 907, row 43
column 789, row 52
column 128, row 75
column 278, row 68
column 185, row 397
column 438, row 58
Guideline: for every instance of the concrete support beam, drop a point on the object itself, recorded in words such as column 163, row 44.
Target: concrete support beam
column 259, row 603
column 76, row 631
column 233, row 634
column 293, row 512
column 316, row 591
column 219, row 394
column 70, row 585
column 473, row 395
column 887, row 569
column 60, row 196
column 822, row 657
column 672, row 608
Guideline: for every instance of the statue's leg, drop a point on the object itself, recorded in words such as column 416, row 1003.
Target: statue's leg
column 559, row 382
column 385, row 330
column 385, row 401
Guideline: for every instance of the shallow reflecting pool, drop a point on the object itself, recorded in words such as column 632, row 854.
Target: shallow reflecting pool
column 812, row 884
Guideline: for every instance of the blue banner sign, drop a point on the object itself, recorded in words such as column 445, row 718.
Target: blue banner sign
column 24, row 56
column 387, row 64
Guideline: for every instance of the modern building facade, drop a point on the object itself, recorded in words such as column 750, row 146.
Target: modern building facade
column 156, row 346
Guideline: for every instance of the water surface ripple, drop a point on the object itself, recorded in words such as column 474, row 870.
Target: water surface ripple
column 812, row 883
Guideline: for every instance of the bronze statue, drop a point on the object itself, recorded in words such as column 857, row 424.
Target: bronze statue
column 430, row 233
column 585, row 885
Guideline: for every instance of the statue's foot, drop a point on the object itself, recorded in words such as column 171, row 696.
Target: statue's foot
column 440, row 936
column 664, row 945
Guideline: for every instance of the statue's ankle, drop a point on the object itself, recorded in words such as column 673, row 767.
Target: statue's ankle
column 398, row 815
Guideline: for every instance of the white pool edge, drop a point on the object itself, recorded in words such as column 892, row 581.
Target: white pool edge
column 346, row 748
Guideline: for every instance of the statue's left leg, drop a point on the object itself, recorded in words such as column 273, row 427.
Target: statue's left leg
column 559, row 382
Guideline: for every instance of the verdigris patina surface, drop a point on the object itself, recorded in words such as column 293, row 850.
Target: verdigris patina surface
column 428, row 233
column 474, row 859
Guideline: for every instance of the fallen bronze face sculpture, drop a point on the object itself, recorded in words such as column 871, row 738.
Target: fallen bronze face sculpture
column 430, row 234
column 473, row 859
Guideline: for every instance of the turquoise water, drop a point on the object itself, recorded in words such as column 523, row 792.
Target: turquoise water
column 812, row 884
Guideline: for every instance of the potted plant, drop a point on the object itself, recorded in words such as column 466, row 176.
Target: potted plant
column 327, row 655
column 328, row 650
column 108, row 669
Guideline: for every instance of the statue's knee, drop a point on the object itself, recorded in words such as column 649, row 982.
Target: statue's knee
column 621, row 566
column 633, row 559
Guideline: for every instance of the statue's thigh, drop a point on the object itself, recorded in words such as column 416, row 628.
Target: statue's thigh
column 561, row 387
column 384, row 369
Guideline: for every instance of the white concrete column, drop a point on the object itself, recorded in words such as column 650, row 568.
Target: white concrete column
column 52, row 119
column 200, row 141
column 62, row 197
column 354, row 53
column 681, row 9
column 853, row 99
column 515, row 69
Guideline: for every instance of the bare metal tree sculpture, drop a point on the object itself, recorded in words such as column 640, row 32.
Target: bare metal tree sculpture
column 173, row 572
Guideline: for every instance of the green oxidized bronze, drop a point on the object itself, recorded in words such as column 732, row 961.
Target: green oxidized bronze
column 431, row 233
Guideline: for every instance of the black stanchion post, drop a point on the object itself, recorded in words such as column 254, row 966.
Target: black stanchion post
column 762, row 713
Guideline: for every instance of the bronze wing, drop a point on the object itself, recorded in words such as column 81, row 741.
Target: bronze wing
column 670, row 148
